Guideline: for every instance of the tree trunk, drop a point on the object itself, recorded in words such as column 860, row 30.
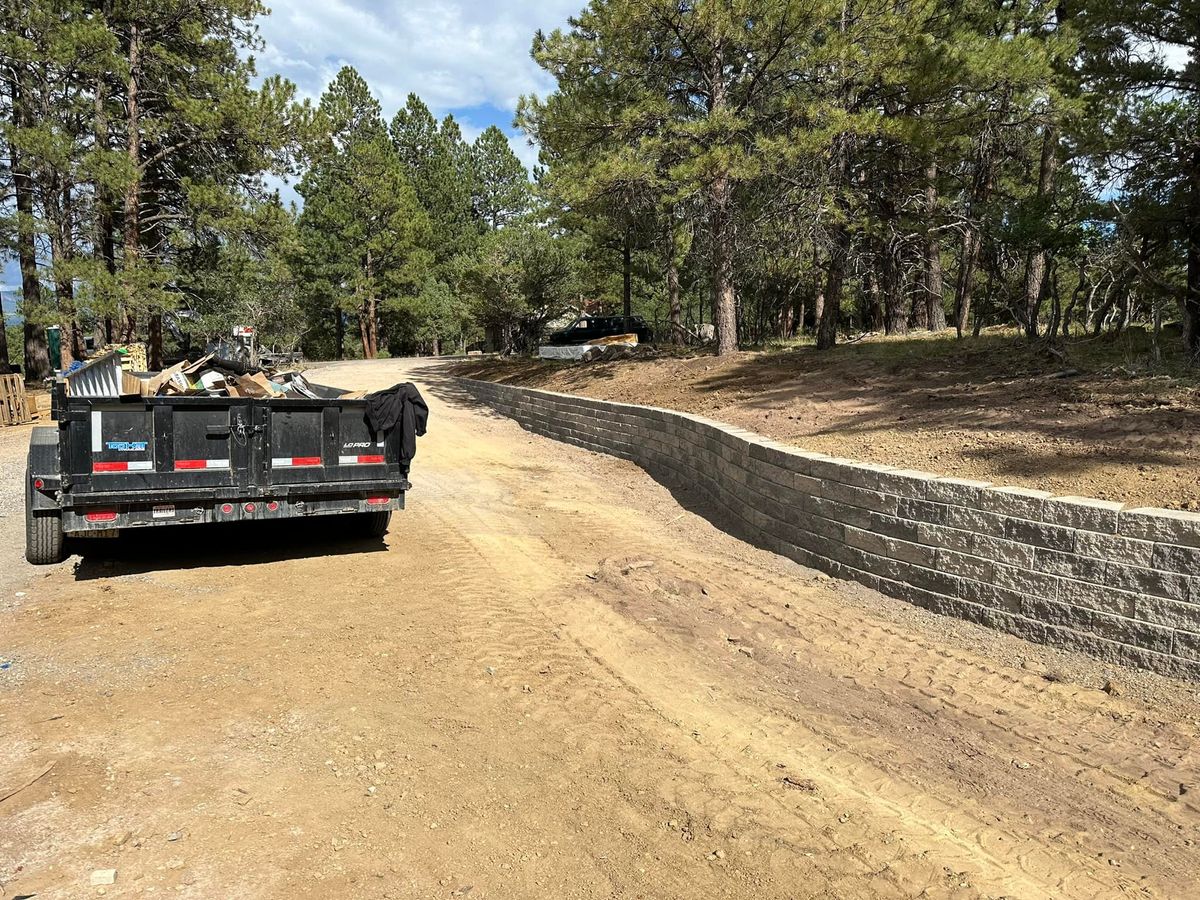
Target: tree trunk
column 918, row 315
column 626, row 277
column 339, row 333
column 827, row 326
column 1035, row 262
column 895, row 309
column 37, row 354
column 972, row 240
column 363, row 335
column 373, row 324
column 154, row 355
column 720, row 203
column 872, row 305
column 818, row 293
column 1191, row 299
column 68, row 343
column 964, row 287
column 133, row 190
column 1056, row 309
column 5, row 363
column 787, row 315
column 836, row 273
column 104, row 247
column 935, row 312
column 724, row 302
column 37, row 358
column 61, row 247
column 674, row 296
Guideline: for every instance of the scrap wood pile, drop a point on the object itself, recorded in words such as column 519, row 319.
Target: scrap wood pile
column 605, row 352
column 209, row 376
column 14, row 402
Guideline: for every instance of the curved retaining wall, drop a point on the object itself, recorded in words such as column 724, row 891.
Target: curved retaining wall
column 1120, row 584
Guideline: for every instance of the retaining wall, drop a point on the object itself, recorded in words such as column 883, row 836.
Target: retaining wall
column 1120, row 584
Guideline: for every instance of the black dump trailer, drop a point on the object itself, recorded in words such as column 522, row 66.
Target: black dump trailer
column 132, row 462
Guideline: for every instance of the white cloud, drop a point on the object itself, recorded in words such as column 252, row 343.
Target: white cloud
column 470, row 57
column 453, row 53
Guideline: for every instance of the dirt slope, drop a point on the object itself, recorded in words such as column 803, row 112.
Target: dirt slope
column 555, row 679
column 988, row 409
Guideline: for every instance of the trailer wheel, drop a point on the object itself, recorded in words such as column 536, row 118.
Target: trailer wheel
column 45, row 543
column 373, row 524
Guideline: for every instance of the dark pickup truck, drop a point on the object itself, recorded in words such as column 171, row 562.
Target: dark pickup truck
column 591, row 328
column 139, row 461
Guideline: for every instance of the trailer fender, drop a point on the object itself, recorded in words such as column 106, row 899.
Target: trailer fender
column 43, row 467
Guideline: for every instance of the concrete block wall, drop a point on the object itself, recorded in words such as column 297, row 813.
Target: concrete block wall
column 1090, row 575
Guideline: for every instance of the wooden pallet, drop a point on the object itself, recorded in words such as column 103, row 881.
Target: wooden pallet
column 14, row 402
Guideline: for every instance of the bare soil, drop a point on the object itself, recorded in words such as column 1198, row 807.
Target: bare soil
column 1098, row 423
column 553, row 678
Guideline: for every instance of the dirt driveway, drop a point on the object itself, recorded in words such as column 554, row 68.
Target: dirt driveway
column 554, row 679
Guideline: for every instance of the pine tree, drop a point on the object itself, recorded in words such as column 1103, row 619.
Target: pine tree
column 364, row 237
column 432, row 157
column 694, row 94
column 501, row 183
column 1145, row 115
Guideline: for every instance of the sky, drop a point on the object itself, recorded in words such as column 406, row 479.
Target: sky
column 465, row 57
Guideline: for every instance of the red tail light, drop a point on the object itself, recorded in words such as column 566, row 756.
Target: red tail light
column 227, row 508
column 249, row 507
column 272, row 506
column 38, row 484
column 106, row 515
column 378, row 501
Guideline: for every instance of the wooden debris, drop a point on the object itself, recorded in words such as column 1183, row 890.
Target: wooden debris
column 14, row 402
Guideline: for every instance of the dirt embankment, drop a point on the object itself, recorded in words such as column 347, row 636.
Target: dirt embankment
column 988, row 409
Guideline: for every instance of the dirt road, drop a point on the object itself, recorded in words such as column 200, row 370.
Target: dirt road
column 554, row 679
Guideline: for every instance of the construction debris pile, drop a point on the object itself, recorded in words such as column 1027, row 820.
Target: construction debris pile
column 609, row 352
column 617, row 346
column 210, row 376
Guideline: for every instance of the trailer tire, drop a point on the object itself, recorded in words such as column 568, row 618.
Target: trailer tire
column 45, row 543
column 373, row 524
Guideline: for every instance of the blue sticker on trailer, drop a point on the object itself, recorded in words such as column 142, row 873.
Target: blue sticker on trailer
column 128, row 446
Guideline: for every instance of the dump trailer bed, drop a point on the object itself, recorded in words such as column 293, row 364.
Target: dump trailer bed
column 110, row 464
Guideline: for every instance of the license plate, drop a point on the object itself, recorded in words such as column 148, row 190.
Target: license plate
column 164, row 511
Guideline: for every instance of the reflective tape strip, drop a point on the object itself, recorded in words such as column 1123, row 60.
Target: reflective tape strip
column 97, row 440
column 290, row 462
column 104, row 468
column 360, row 460
column 184, row 464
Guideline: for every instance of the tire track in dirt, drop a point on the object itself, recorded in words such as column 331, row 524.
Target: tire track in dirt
column 701, row 787
column 722, row 779
column 990, row 686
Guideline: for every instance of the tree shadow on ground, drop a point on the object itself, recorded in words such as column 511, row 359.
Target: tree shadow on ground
column 995, row 389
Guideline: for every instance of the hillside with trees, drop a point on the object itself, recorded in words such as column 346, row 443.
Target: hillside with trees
column 776, row 168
